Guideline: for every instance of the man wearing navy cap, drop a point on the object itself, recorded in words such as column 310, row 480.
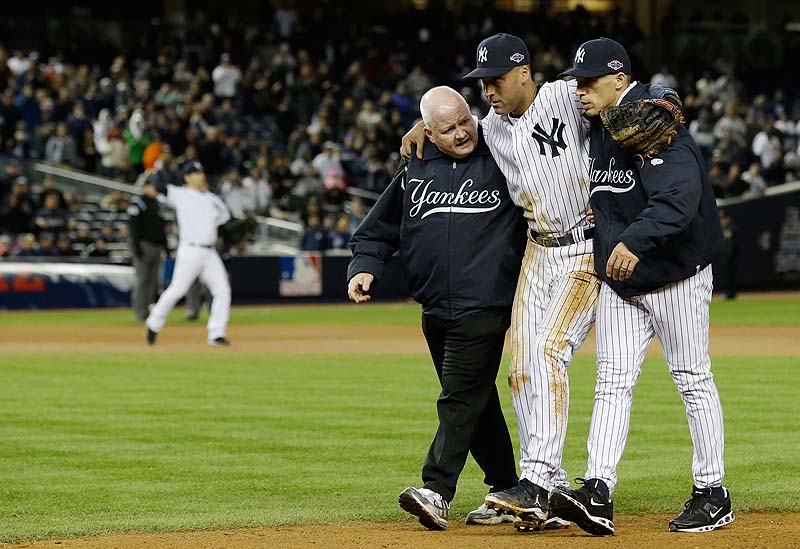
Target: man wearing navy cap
column 539, row 139
column 198, row 213
column 658, row 232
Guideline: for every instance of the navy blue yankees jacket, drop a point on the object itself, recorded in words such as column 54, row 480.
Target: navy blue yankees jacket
column 461, row 239
column 663, row 209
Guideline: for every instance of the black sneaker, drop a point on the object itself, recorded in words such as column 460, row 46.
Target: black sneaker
column 526, row 500
column 219, row 342
column 587, row 507
column 703, row 513
column 151, row 336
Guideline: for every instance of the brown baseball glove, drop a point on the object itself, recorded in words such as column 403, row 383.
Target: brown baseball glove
column 645, row 127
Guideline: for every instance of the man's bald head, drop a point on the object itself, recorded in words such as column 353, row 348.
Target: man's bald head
column 448, row 121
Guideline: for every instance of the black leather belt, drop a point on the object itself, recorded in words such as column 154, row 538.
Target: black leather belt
column 550, row 241
column 196, row 245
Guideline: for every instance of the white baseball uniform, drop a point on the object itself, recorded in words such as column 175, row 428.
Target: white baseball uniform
column 544, row 155
column 199, row 213
column 678, row 313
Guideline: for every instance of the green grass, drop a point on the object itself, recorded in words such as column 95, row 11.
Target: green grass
column 396, row 313
column 100, row 443
column 749, row 311
column 106, row 443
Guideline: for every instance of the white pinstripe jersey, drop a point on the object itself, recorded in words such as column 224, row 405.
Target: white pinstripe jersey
column 544, row 155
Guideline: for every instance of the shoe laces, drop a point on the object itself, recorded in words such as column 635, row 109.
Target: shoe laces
column 696, row 499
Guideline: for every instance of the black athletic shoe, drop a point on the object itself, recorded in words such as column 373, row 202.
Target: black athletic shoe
column 526, row 500
column 703, row 513
column 219, row 342
column 586, row 507
column 151, row 336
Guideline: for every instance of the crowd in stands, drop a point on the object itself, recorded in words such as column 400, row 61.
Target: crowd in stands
column 289, row 116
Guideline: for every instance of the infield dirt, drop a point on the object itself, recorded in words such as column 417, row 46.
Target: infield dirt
column 754, row 530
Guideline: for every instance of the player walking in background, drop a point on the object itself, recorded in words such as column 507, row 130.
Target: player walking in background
column 461, row 241
column 658, row 231
column 540, row 142
column 148, row 241
column 199, row 213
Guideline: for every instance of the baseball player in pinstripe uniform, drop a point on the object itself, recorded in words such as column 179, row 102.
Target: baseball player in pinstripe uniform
column 199, row 213
column 658, row 231
column 540, row 142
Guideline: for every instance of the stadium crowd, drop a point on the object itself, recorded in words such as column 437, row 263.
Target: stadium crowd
column 285, row 121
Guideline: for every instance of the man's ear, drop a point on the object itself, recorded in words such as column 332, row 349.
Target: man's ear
column 428, row 134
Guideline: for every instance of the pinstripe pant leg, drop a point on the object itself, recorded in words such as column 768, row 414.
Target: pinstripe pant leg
column 526, row 317
column 681, row 320
column 565, row 311
column 624, row 331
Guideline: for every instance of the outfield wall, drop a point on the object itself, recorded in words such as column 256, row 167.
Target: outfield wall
column 765, row 256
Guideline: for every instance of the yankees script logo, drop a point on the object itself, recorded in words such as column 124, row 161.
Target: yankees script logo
column 463, row 201
column 555, row 138
column 619, row 181
column 483, row 53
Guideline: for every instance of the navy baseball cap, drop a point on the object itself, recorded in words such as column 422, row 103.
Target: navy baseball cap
column 191, row 167
column 598, row 57
column 499, row 54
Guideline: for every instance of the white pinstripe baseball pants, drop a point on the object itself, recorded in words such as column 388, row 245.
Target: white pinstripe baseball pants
column 554, row 309
column 678, row 315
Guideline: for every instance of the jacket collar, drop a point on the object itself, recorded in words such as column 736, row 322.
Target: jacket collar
column 638, row 91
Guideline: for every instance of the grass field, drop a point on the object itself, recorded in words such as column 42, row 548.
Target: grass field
column 96, row 442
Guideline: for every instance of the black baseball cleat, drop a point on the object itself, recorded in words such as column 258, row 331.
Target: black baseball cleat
column 219, row 342
column 151, row 337
column 526, row 500
column 587, row 507
column 704, row 512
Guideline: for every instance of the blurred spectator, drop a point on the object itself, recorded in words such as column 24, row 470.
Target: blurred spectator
column 257, row 186
column 236, row 197
column 100, row 249
column 64, row 246
column 61, row 148
column 137, row 137
column 113, row 152
column 754, row 180
column 340, row 234
column 26, row 246
column 315, row 237
column 17, row 209
column 664, row 79
column 767, row 145
column 11, row 173
column 5, row 245
column 226, row 78
column 328, row 162
column 50, row 217
column 731, row 125
column 47, row 245
column 48, row 188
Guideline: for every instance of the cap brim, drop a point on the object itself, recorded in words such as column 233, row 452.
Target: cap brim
column 577, row 72
column 487, row 72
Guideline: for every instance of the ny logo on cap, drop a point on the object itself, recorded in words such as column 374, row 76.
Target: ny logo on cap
column 579, row 55
column 483, row 53
column 517, row 57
